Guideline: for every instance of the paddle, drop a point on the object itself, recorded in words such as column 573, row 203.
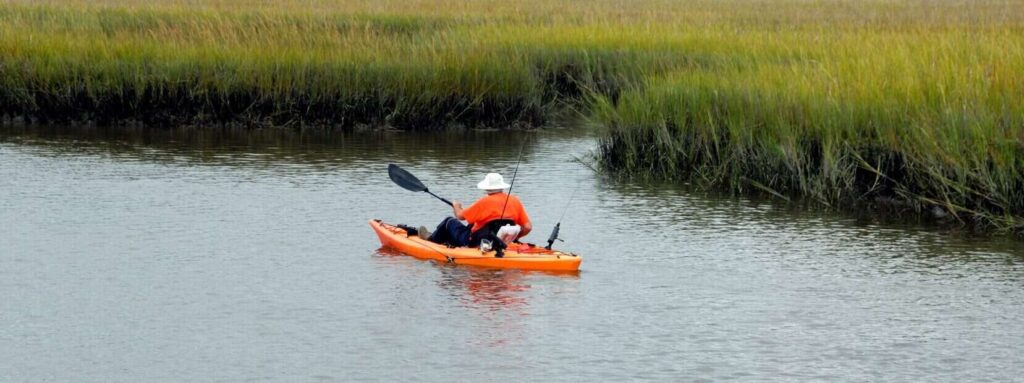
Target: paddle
column 409, row 182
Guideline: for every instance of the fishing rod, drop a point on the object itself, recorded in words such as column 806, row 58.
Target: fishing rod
column 513, row 183
column 554, row 232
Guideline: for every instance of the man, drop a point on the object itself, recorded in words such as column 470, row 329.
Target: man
column 495, row 209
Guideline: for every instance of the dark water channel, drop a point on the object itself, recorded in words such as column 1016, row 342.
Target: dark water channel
column 218, row 256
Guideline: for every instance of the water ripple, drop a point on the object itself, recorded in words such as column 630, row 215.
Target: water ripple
column 246, row 256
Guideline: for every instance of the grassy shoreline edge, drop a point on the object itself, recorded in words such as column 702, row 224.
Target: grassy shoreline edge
column 913, row 105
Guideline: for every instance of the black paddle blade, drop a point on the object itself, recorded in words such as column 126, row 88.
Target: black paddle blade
column 405, row 179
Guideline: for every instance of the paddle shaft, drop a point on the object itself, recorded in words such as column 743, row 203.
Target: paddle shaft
column 438, row 197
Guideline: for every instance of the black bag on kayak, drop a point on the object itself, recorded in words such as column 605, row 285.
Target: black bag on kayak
column 409, row 230
column 490, row 233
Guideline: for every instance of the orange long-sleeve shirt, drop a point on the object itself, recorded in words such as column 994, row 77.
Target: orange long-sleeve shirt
column 489, row 208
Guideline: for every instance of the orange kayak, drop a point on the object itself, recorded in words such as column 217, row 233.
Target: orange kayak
column 522, row 256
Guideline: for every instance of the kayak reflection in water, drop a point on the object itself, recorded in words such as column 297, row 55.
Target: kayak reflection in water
column 489, row 289
column 496, row 218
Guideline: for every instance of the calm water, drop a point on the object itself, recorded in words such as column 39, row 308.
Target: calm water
column 204, row 256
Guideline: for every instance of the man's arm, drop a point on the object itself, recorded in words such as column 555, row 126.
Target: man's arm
column 526, row 227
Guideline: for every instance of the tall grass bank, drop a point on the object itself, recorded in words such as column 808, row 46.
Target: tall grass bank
column 405, row 64
column 904, row 106
column 912, row 105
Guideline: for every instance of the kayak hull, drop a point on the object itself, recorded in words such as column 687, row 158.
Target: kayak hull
column 517, row 256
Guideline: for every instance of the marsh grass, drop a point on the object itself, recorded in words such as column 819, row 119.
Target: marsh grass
column 171, row 63
column 916, row 104
column 928, row 118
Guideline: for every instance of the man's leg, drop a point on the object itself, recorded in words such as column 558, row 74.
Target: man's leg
column 440, row 234
column 458, row 233
column 451, row 232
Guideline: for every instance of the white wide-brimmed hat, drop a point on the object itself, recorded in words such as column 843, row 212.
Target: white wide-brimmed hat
column 493, row 181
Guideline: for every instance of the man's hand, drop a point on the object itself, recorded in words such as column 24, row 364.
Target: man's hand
column 457, row 210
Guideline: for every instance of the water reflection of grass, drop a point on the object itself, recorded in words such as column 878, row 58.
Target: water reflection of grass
column 227, row 146
column 915, row 104
column 713, row 216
